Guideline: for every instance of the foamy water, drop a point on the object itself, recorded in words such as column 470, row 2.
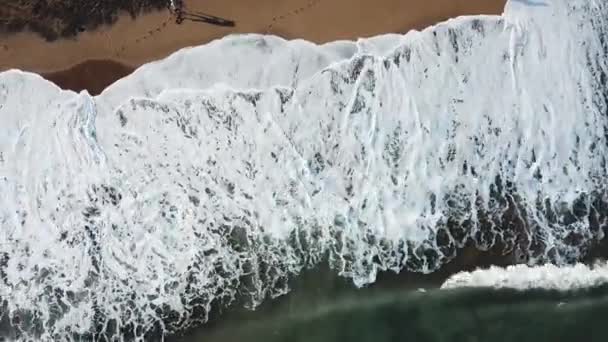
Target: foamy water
column 524, row 277
column 223, row 170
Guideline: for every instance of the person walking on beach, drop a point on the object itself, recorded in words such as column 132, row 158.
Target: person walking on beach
column 177, row 7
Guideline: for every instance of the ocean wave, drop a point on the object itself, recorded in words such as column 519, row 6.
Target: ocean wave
column 250, row 61
column 524, row 277
column 209, row 178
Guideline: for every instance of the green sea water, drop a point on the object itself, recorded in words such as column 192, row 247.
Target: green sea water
column 325, row 308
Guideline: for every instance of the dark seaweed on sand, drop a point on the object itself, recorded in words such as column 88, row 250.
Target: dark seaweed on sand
column 66, row 18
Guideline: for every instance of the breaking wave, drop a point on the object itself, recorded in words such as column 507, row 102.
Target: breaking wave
column 523, row 277
column 214, row 176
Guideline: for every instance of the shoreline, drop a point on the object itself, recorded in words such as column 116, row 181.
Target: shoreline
column 155, row 35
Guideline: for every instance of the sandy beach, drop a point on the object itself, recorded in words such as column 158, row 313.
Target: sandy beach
column 132, row 42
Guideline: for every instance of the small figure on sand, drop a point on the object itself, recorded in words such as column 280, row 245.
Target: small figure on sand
column 177, row 8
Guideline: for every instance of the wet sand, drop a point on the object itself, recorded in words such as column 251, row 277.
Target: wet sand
column 131, row 42
column 92, row 75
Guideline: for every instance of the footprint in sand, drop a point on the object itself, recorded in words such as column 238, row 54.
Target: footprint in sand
column 309, row 5
column 150, row 34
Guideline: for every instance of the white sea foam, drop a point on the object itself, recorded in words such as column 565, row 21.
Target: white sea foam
column 524, row 277
column 243, row 62
column 220, row 172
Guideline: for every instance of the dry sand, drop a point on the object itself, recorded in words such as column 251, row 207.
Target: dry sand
column 130, row 43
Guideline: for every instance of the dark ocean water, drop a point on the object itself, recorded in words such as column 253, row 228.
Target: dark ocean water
column 325, row 308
